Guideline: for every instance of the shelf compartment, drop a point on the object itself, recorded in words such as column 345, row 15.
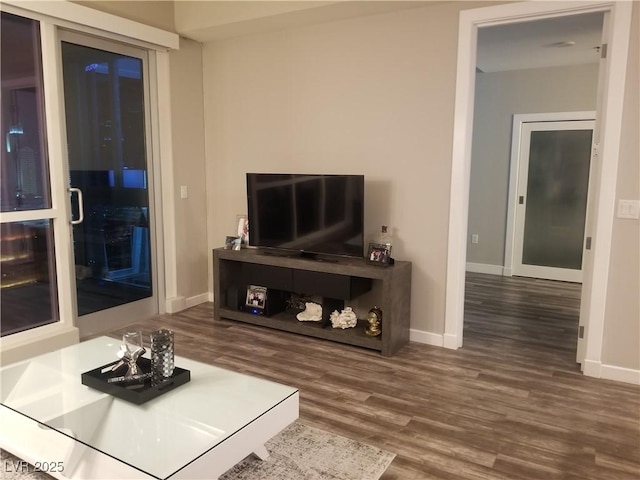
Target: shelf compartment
column 287, row 322
column 330, row 285
column 269, row 276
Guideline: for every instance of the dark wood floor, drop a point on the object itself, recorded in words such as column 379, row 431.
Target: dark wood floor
column 534, row 320
column 511, row 404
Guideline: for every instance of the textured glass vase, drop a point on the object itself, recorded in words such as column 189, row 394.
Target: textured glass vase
column 162, row 354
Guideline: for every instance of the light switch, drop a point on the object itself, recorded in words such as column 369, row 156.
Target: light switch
column 629, row 209
column 183, row 191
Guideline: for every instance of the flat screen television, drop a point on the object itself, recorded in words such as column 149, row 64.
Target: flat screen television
column 308, row 214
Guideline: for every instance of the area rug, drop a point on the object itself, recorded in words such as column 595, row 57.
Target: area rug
column 299, row 452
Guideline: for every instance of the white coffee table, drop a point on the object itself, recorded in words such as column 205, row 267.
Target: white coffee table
column 197, row 431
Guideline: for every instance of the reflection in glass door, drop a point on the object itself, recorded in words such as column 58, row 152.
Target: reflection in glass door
column 28, row 287
column 105, row 122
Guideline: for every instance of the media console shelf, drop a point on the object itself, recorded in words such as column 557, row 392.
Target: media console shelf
column 335, row 281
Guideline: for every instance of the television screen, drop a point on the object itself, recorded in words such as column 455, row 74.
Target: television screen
column 310, row 214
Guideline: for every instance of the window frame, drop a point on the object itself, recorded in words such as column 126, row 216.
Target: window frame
column 54, row 16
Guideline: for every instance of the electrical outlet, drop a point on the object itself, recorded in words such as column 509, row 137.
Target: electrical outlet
column 474, row 238
column 184, row 193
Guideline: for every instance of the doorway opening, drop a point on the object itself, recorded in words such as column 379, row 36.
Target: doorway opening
column 531, row 164
column 607, row 134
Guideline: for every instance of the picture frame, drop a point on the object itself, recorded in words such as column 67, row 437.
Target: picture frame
column 256, row 297
column 233, row 243
column 242, row 225
column 379, row 254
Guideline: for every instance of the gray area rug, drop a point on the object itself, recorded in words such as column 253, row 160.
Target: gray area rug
column 299, row 452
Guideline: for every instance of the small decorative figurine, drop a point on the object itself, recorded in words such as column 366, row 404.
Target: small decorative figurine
column 374, row 318
column 129, row 353
column 312, row 313
column 345, row 319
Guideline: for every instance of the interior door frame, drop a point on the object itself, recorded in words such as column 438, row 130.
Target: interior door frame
column 516, row 146
column 610, row 119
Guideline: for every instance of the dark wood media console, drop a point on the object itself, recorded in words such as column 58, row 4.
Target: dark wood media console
column 334, row 281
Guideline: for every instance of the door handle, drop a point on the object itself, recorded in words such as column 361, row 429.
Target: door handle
column 80, row 206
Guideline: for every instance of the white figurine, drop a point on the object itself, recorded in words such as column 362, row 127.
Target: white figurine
column 312, row 313
column 345, row 319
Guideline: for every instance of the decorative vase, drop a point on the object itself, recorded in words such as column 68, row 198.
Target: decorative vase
column 162, row 354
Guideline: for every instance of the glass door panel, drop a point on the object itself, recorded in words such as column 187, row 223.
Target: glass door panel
column 557, row 186
column 29, row 293
column 28, row 288
column 105, row 123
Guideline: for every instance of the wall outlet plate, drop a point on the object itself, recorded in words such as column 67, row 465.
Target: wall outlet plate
column 629, row 209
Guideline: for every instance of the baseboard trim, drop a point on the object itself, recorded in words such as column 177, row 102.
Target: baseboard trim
column 592, row 368
column 428, row 338
column 450, row 341
column 620, row 374
column 485, row 268
column 197, row 300
column 175, row 304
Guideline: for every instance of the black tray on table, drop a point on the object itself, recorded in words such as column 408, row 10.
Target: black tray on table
column 139, row 391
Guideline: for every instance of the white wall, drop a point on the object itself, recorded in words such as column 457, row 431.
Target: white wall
column 372, row 96
column 499, row 96
column 621, row 341
column 187, row 119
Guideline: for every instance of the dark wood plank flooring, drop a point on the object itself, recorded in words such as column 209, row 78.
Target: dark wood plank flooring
column 511, row 404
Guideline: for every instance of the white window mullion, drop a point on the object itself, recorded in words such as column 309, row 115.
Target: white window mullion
column 58, row 170
column 28, row 215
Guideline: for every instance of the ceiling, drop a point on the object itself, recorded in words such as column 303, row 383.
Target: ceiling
column 568, row 40
column 532, row 44
column 207, row 21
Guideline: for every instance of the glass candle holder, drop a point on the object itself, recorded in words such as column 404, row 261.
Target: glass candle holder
column 132, row 341
column 162, row 354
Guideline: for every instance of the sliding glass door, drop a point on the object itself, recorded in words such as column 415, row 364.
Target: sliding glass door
column 77, row 242
column 106, row 126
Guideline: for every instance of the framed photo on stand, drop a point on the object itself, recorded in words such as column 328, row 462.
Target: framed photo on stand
column 379, row 254
column 256, row 298
column 242, row 222
column 233, row 243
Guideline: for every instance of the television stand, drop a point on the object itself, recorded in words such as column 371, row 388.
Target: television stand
column 335, row 282
column 316, row 257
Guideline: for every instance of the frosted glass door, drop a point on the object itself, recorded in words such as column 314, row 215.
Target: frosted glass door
column 552, row 199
